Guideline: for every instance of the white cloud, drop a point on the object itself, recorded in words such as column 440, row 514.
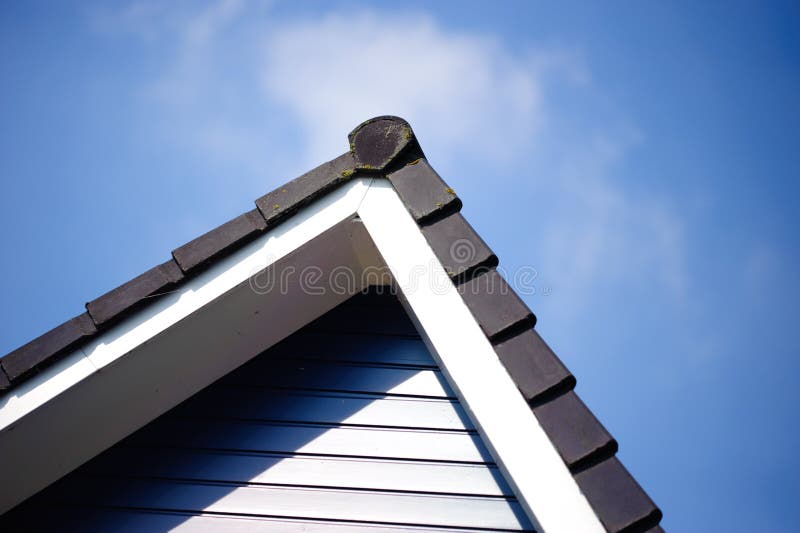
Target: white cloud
column 151, row 20
column 600, row 235
column 452, row 87
column 234, row 78
column 464, row 94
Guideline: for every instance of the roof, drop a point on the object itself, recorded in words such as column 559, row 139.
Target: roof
column 386, row 147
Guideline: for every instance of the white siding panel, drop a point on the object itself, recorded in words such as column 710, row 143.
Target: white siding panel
column 476, row 479
column 326, row 375
column 329, row 408
column 372, row 506
column 125, row 521
column 310, row 439
column 363, row 348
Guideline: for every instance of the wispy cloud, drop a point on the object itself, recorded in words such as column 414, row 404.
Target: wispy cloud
column 597, row 234
column 204, row 95
column 455, row 88
column 235, row 79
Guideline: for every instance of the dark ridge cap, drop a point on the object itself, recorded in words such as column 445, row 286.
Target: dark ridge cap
column 459, row 248
column 654, row 529
column 495, row 306
column 409, row 156
column 377, row 143
column 284, row 201
column 617, row 498
column 538, row 372
column 47, row 348
column 115, row 303
column 219, row 241
column 425, row 194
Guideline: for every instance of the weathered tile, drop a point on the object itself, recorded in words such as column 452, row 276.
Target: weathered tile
column 219, row 240
column 125, row 297
column 46, row 348
column 286, row 199
column 423, row 191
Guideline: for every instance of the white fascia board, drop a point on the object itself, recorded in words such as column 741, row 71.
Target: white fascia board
column 167, row 310
column 171, row 349
column 524, row 453
column 228, row 273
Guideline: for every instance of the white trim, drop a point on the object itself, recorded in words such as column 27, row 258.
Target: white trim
column 518, row 443
column 171, row 349
column 168, row 310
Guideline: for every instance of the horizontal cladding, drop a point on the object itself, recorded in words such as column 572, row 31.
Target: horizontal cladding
column 331, row 430
column 361, row 348
column 382, row 320
column 343, row 376
column 128, row 521
column 307, row 502
column 300, row 470
column 318, row 439
column 327, row 408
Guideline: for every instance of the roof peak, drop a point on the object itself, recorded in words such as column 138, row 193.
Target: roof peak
column 377, row 142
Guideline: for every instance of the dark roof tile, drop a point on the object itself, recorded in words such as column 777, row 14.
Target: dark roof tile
column 4, row 382
column 617, row 498
column 460, row 250
column 578, row 436
column 497, row 308
column 537, row 371
column 125, row 297
column 219, row 240
column 286, row 199
column 423, row 191
column 46, row 348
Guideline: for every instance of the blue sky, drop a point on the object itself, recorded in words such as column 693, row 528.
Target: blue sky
column 642, row 157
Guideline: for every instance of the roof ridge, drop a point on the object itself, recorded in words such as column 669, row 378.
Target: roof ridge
column 377, row 146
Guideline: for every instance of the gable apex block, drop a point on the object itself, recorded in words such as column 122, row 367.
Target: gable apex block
column 377, row 142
